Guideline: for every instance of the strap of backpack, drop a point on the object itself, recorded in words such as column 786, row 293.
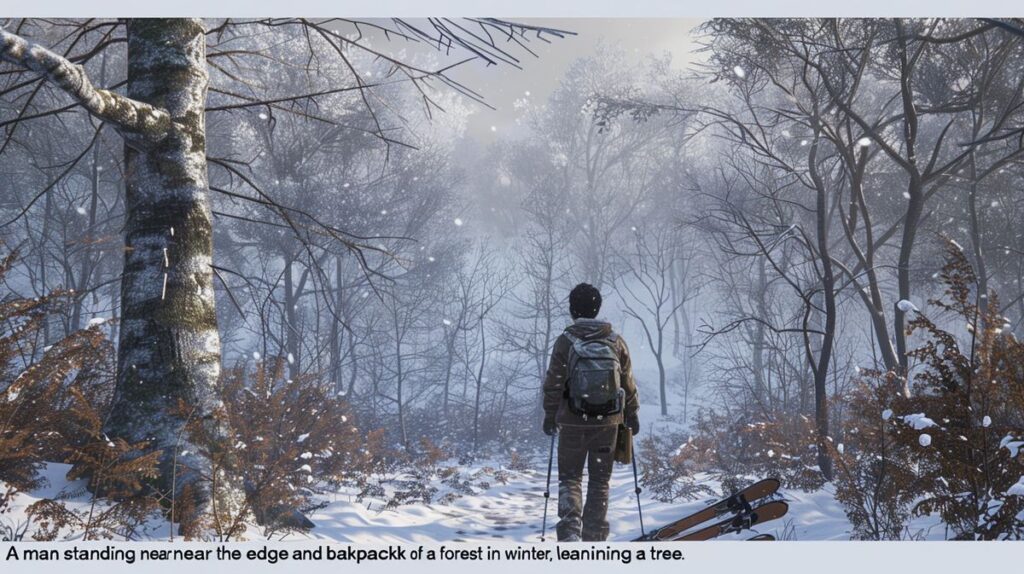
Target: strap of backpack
column 570, row 354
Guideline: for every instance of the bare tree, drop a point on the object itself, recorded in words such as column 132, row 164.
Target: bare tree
column 645, row 289
column 169, row 348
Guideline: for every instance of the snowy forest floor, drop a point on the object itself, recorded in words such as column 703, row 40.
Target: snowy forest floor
column 503, row 512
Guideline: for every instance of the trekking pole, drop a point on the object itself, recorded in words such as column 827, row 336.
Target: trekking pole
column 547, row 490
column 636, row 487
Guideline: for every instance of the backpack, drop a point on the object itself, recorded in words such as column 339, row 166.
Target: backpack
column 594, row 388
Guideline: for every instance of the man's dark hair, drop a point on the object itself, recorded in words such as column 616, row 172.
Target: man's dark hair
column 584, row 301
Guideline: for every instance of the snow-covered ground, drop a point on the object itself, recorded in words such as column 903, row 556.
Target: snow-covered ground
column 508, row 512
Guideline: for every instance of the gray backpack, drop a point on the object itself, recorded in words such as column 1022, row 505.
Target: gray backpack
column 594, row 388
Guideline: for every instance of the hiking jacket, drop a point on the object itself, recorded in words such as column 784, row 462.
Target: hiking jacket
column 556, row 402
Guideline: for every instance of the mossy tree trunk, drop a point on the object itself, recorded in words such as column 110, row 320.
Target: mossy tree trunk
column 169, row 349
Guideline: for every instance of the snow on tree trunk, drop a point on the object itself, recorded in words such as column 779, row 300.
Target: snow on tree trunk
column 169, row 349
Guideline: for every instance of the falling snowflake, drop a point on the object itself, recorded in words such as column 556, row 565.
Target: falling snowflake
column 925, row 439
column 458, row 221
column 919, row 421
column 740, row 72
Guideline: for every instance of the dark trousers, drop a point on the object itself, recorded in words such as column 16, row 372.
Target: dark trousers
column 594, row 447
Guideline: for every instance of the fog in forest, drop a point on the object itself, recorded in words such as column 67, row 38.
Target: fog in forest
column 398, row 211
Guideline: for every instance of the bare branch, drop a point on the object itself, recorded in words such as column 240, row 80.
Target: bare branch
column 125, row 113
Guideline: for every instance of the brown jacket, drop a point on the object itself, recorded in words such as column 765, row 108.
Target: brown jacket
column 555, row 401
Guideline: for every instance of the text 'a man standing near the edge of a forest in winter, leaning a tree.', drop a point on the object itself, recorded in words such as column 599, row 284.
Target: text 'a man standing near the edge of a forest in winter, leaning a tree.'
column 589, row 392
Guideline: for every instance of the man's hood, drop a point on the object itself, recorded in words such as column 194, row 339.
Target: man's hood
column 590, row 328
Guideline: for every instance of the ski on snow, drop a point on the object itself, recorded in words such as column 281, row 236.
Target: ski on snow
column 739, row 502
column 762, row 537
column 742, row 521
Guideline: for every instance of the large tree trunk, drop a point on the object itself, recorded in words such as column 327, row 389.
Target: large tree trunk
column 915, row 203
column 169, row 349
column 828, row 285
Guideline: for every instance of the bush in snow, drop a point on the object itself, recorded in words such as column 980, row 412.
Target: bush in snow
column 116, row 472
column 972, row 390
column 875, row 480
column 668, row 468
column 737, row 449
column 292, row 439
column 52, row 404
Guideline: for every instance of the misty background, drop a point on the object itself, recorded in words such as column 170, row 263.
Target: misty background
column 412, row 243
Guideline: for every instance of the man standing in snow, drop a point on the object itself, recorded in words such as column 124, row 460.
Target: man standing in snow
column 588, row 392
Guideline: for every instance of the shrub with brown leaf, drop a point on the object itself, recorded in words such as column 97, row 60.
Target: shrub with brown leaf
column 52, row 400
column 292, row 439
column 115, row 471
column 969, row 389
column 35, row 384
column 876, row 482
column 668, row 464
column 734, row 450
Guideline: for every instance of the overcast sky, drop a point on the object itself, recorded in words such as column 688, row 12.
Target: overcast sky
column 502, row 85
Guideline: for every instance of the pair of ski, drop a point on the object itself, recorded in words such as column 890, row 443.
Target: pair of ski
column 740, row 508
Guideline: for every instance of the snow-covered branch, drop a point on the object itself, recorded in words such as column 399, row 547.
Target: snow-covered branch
column 126, row 114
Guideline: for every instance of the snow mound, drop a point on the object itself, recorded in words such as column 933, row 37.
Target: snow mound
column 1017, row 489
column 1011, row 444
column 510, row 510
